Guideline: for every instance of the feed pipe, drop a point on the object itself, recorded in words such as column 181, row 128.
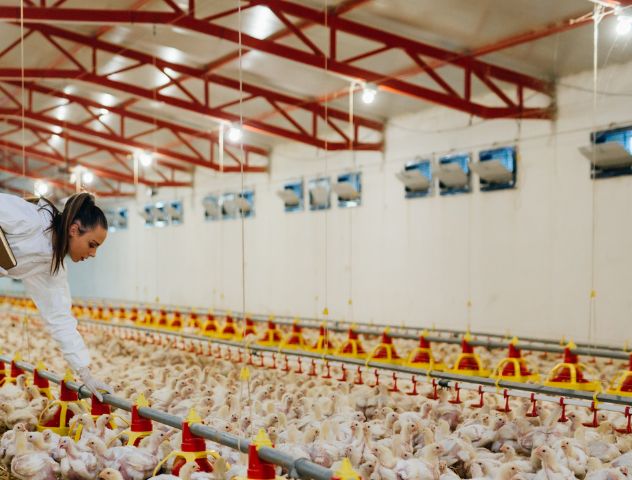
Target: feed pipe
column 298, row 468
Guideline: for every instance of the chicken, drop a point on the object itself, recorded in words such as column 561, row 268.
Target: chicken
column 77, row 465
column 551, row 469
column 8, row 443
column 32, row 465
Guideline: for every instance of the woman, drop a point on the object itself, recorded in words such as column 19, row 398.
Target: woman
column 41, row 237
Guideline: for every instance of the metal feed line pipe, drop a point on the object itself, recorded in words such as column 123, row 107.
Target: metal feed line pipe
column 297, row 468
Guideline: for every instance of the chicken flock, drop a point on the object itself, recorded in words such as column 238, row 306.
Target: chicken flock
column 386, row 435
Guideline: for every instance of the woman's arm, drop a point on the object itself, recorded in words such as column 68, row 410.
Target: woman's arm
column 51, row 294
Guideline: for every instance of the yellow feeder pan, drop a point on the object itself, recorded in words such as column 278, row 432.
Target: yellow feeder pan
column 421, row 357
column 194, row 322
column 121, row 314
column 346, row 471
column 622, row 384
column 295, row 339
column 193, row 449
column 147, row 319
column 272, row 336
column 352, row 347
column 259, row 469
column 175, row 324
column 61, row 418
column 133, row 315
column 323, row 345
column 514, row 368
column 163, row 320
column 385, row 351
column 210, row 327
column 229, row 330
column 468, row 363
column 570, row 373
column 108, row 313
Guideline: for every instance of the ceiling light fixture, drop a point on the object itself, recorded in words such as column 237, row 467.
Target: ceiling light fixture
column 87, row 177
column 145, row 158
column 40, row 188
column 234, row 134
column 368, row 94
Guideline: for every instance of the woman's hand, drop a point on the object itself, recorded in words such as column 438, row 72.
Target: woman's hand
column 93, row 384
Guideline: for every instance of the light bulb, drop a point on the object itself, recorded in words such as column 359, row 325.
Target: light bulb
column 234, row 134
column 145, row 158
column 368, row 94
column 88, row 177
column 624, row 25
column 40, row 188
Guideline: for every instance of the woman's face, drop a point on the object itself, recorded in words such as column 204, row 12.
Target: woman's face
column 83, row 244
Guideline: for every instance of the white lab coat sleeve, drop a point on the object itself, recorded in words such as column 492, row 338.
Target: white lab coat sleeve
column 17, row 216
column 51, row 294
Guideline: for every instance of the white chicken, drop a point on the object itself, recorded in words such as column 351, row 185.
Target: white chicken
column 32, row 465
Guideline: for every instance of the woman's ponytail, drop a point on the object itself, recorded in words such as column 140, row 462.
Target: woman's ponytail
column 80, row 208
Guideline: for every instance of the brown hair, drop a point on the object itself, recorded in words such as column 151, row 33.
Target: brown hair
column 81, row 209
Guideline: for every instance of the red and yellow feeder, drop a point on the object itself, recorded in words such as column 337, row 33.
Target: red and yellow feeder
column 229, row 329
column 147, row 319
column 193, row 449
column 385, row 350
column 121, row 314
column 514, row 368
column 295, row 338
column 272, row 336
column 259, row 469
column 210, row 327
column 59, row 421
column 421, row 357
column 175, row 324
column 249, row 327
column 352, row 347
column 13, row 372
column 163, row 319
column 3, row 372
column 140, row 427
column 570, row 373
column 40, row 382
column 194, row 322
column 622, row 384
column 468, row 363
column 323, row 344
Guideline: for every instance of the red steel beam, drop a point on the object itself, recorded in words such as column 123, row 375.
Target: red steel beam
column 322, row 60
column 98, row 170
column 253, row 91
column 67, row 187
column 121, row 137
column 141, row 92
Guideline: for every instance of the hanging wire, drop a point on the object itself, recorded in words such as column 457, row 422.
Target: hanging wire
column 25, row 330
column 326, row 293
column 597, row 17
column 243, row 242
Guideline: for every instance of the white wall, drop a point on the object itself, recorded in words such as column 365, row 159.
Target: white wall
column 522, row 259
